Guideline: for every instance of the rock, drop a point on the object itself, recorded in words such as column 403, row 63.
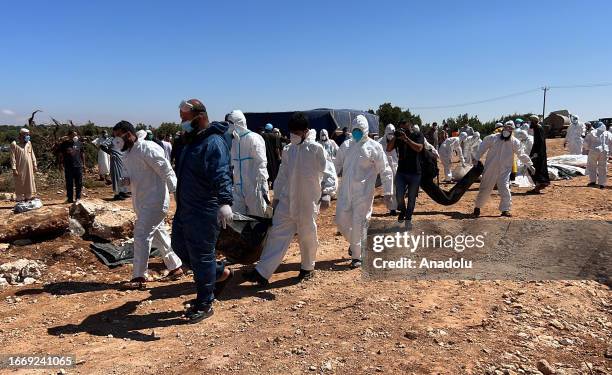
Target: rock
column 21, row 269
column 608, row 353
column 76, row 229
column 312, row 368
column 544, row 367
column 557, row 324
column 3, row 282
column 411, row 335
column 4, row 246
column 326, row 366
column 105, row 220
column 29, row 281
column 46, row 221
column 24, row 242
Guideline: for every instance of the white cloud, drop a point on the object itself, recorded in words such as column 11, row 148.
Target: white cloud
column 8, row 112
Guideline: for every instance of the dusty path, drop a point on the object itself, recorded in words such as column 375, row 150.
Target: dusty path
column 335, row 323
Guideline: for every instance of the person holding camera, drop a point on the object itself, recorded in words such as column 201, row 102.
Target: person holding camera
column 409, row 144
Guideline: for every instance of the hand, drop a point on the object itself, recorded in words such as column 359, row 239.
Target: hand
column 325, row 202
column 15, row 173
column 125, row 181
column 531, row 169
column 224, row 215
column 35, row 169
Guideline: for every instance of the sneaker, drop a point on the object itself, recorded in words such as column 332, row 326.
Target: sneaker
column 602, row 187
column 591, row 184
column 198, row 312
column 255, row 277
column 350, row 252
column 401, row 216
column 355, row 263
column 506, row 214
column 305, row 275
column 476, row 212
column 220, row 285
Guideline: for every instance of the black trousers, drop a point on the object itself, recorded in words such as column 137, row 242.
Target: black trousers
column 74, row 181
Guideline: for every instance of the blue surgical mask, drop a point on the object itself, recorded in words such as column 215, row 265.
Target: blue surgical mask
column 26, row 138
column 357, row 134
column 186, row 126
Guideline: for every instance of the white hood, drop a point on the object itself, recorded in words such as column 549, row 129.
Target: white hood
column 237, row 117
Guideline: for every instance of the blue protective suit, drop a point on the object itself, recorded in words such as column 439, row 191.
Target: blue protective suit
column 204, row 184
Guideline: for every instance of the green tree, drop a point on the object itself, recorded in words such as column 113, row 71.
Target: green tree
column 167, row 128
column 390, row 114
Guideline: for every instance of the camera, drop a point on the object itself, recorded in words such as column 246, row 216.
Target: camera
column 399, row 133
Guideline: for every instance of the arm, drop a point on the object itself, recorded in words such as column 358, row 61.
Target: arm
column 485, row 145
column 384, row 170
column 516, row 148
column 34, row 163
column 155, row 159
column 13, row 159
column 330, row 181
column 391, row 145
column 218, row 169
column 258, row 153
column 281, row 178
column 415, row 146
column 339, row 160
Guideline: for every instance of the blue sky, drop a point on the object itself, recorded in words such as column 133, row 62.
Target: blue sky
column 110, row 60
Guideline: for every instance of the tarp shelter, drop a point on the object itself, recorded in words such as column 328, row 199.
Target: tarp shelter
column 330, row 119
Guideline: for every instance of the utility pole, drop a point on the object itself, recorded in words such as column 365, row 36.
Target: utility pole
column 545, row 88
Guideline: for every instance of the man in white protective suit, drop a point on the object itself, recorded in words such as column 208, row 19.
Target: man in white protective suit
column 471, row 148
column 150, row 177
column 329, row 145
column 449, row 146
column 598, row 144
column 249, row 162
column 574, row 137
column 361, row 163
column 500, row 149
column 392, row 159
column 297, row 197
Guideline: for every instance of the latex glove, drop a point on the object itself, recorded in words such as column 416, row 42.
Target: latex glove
column 388, row 199
column 125, row 181
column 325, row 202
column 224, row 215
column 15, row 172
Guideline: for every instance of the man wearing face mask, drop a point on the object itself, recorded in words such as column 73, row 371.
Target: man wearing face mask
column 500, row 149
column 249, row 165
column 574, row 137
column 392, row 159
column 296, row 200
column 447, row 148
column 72, row 159
column 598, row 144
column 113, row 146
column 23, row 164
column 329, row 145
column 150, row 177
column 538, row 156
column 103, row 158
column 203, row 200
column 361, row 163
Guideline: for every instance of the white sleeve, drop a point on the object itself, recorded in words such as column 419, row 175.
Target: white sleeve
column 485, row 145
column 156, row 159
column 329, row 182
column 384, row 170
column 339, row 160
column 516, row 148
column 258, row 154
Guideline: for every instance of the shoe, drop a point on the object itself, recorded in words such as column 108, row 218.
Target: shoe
column 355, row 263
column 198, row 312
column 69, row 201
column 118, row 197
column 350, row 252
column 137, row 283
column 476, row 212
column 401, row 216
column 175, row 274
column 254, row 277
column 305, row 275
column 125, row 195
column 591, row 184
column 602, row 187
column 506, row 214
column 393, row 213
column 220, row 285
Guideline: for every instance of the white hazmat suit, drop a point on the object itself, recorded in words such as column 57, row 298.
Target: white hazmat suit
column 103, row 157
column 361, row 163
column 599, row 145
column 497, row 168
column 249, row 162
column 450, row 145
column 573, row 138
column 151, row 177
column 329, row 145
column 298, row 191
column 392, row 159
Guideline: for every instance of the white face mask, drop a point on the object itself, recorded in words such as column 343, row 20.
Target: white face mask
column 506, row 133
column 324, row 138
column 75, row 139
column 295, row 139
column 118, row 143
column 389, row 137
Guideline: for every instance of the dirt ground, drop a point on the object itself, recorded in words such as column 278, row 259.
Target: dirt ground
column 335, row 323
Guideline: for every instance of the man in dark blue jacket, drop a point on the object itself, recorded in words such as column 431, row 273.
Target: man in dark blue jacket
column 203, row 200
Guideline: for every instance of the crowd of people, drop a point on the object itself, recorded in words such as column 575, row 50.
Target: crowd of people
column 217, row 168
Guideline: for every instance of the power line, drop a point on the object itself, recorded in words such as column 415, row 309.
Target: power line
column 511, row 96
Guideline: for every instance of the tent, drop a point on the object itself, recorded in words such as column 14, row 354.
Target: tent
column 322, row 118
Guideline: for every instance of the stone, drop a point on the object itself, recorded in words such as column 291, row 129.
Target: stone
column 105, row 220
column 28, row 281
column 557, row 324
column 411, row 335
column 608, row 353
column 4, row 246
column 326, row 366
column 3, row 282
column 44, row 222
column 544, row 367
column 17, row 271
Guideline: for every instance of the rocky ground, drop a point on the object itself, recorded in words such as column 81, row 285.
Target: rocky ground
column 335, row 323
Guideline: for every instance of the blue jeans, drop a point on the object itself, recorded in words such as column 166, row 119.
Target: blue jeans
column 194, row 242
column 406, row 183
